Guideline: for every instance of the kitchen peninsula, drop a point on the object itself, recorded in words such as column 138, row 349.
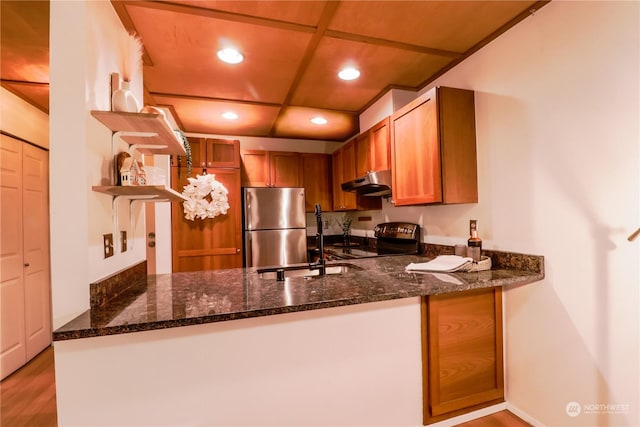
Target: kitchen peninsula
column 344, row 349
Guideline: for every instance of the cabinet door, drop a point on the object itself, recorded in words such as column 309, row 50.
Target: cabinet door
column 212, row 243
column 415, row 154
column 363, row 154
column 198, row 155
column 380, row 146
column 456, row 110
column 223, row 153
column 344, row 169
column 316, row 179
column 462, row 352
column 284, row 169
column 255, row 168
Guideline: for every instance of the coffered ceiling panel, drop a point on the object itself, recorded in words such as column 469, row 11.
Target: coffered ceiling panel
column 205, row 116
column 298, row 12
column 380, row 67
column 295, row 122
column 292, row 51
column 182, row 48
column 448, row 25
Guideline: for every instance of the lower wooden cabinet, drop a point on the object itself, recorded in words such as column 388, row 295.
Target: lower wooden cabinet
column 461, row 352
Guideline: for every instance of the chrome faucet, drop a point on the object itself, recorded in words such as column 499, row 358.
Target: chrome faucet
column 320, row 264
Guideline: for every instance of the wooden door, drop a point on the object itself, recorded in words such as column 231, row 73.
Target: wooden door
column 25, row 289
column 284, row 169
column 255, row 168
column 462, row 352
column 316, row 179
column 363, row 154
column 456, row 109
column 212, row 243
column 223, row 153
column 415, row 153
column 380, row 146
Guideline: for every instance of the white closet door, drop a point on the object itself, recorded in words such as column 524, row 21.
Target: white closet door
column 37, row 287
column 25, row 285
column 12, row 308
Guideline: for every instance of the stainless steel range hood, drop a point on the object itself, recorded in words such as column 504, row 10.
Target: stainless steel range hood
column 371, row 184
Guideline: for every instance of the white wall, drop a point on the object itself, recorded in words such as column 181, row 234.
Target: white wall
column 345, row 366
column 557, row 115
column 23, row 120
column 83, row 52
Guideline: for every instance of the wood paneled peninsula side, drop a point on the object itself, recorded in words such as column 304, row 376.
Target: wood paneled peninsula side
column 343, row 349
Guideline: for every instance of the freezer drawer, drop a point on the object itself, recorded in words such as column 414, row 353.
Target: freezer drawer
column 275, row 247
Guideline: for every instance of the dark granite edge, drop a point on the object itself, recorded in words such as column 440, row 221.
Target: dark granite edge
column 166, row 324
column 117, row 284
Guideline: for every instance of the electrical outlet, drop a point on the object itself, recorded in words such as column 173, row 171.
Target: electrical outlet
column 123, row 241
column 108, row 245
column 326, row 224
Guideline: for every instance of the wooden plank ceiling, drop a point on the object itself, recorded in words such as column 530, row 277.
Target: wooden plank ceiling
column 293, row 51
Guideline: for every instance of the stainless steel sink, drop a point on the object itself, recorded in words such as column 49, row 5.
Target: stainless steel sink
column 302, row 271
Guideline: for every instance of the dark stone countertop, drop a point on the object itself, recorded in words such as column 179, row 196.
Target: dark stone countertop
column 182, row 299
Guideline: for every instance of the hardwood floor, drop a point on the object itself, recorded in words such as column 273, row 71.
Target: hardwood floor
column 28, row 396
column 499, row 419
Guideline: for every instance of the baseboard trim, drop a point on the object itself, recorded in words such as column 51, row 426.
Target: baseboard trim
column 471, row 415
column 523, row 415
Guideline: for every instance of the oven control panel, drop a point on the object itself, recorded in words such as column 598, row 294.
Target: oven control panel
column 397, row 230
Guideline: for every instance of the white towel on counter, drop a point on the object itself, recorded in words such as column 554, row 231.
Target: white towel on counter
column 443, row 263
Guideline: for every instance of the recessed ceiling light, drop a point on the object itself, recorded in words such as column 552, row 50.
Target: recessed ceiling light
column 349, row 73
column 230, row 56
column 229, row 115
column 319, row 121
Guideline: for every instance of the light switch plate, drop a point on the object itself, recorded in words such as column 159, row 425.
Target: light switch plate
column 123, row 241
column 108, row 245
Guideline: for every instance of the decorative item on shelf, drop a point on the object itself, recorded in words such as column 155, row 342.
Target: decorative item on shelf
column 206, row 198
column 120, row 158
column 141, row 176
column 122, row 99
column 345, row 224
column 129, row 171
column 132, row 172
column 187, row 148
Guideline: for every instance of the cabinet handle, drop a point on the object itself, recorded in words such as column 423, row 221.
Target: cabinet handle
column 26, row 264
column 237, row 250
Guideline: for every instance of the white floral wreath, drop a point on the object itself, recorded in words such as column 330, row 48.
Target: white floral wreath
column 197, row 205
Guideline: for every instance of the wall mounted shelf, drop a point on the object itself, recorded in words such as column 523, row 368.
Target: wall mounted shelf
column 141, row 192
column 146, row 132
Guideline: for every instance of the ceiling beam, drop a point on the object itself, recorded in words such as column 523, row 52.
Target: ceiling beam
column 323, row 23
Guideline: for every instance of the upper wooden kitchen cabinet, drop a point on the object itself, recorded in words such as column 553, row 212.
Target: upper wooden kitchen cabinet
column 271, row 169
column 344, row 169
column 211, row 153
column 433, row 149
column 316, row 179
column 373, row 149
column 462, row 352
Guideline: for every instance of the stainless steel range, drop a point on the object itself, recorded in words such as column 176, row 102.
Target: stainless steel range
column 392, row 238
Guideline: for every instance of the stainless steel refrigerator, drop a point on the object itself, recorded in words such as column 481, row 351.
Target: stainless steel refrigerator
column 274, row 225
